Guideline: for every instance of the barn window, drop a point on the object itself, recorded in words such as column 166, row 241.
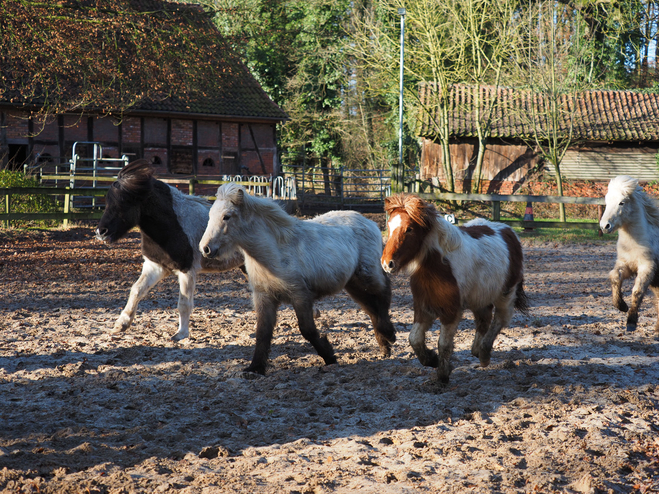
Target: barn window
column 208, row 162
column 156, row 160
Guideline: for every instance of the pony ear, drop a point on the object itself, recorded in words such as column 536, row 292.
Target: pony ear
column 238, row 198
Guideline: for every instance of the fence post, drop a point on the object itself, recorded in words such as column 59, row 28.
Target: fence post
column 496, row 210
column 67, row 203
column 191, row 186
column 7, row 209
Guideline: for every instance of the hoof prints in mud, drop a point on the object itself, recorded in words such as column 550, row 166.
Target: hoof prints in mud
column 569, row 402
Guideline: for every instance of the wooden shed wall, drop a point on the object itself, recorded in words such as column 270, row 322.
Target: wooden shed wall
column 596, row 161
column 502, row 161
column 603, row 163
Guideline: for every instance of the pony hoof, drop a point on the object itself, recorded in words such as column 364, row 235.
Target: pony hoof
column 119, row 327
column 253, row 371
column 443, row 380
column 248, row 376
column 179, row 337
column 631, row 327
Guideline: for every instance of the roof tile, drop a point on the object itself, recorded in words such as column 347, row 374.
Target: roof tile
column 598, row 115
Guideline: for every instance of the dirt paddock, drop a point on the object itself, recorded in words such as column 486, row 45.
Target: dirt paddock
column 568, row 404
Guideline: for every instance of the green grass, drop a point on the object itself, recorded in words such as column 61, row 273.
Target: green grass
column 565, row 235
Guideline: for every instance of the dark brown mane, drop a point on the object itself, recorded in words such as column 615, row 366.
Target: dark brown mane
column 419, row 211
column 135, row 178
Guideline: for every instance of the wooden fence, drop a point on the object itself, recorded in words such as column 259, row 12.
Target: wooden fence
column 495, row 200
column 67, row 193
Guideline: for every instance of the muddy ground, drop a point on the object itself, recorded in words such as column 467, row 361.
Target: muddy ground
column 569, row 403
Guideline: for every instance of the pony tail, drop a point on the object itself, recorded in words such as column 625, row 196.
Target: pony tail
column 521, row 300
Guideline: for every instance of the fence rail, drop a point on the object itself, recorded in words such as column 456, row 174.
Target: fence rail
column 68, row 193
column 497, row 199
column 494, row 199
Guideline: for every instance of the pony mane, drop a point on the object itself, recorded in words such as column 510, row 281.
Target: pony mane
column 136, row 177
column 629, row 186
column 268, row 210
column 419, row 211
column 446, row 237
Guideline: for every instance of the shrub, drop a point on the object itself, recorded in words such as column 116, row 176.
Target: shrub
column 28, row 203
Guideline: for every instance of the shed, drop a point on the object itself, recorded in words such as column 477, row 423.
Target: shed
column 614, row 133
column 145, row 78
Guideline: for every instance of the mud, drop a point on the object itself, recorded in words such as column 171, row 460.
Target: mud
column 568, row 404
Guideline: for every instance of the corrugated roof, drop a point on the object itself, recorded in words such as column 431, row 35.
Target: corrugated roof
column 123, row 56
column 594, row 115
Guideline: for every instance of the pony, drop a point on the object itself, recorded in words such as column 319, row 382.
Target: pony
column 635, row 216
column 289, row 260
column 171, row 224
column 478, row 266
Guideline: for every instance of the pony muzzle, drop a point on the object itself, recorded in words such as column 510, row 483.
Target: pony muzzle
column 389, row 266
column 208, row 252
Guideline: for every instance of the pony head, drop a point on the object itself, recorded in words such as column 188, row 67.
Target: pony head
column 223, row 221
column 410, row 220
column 620, row 202
column 124, row 200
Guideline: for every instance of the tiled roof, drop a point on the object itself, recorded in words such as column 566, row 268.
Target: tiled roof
column 157, row 57
column 594, row 115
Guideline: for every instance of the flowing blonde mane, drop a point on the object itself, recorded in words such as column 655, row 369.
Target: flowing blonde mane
column 628, row 187
column 266, row 209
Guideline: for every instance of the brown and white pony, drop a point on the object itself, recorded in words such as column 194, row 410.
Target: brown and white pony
column 478, row 267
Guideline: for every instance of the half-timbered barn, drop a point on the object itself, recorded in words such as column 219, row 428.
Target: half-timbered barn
column 610, row 133
column 145, row 78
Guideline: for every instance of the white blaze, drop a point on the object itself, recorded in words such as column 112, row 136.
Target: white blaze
column 394, row 223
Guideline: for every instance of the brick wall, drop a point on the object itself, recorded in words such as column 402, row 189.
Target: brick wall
column 106, row 131
column 208, row 154
column 181, row 133
column 75, row 128
column 131, row 130
column 46, row 129
column 17, row 127
column 229, row 136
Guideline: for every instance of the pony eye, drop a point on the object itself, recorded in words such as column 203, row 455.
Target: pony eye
column 408, row 229
column 227, row 217
column 622, row 203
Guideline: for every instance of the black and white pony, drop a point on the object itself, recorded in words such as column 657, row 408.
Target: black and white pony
column 171, row 224
column 635, row 216
column 295, row 261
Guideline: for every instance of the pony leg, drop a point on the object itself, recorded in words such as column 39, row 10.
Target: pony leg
column 307, row 325
column 422, row 323
column 187, row 282
column 375, row 301
column 445, row 350
column 266, row 318
column 617, row 275
column 643, row 279
column 483, row 319
column 503, row 313
column 655, row 290
column 152, row 273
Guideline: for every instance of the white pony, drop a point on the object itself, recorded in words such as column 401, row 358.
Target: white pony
column 635, row 215
column 295, row 261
